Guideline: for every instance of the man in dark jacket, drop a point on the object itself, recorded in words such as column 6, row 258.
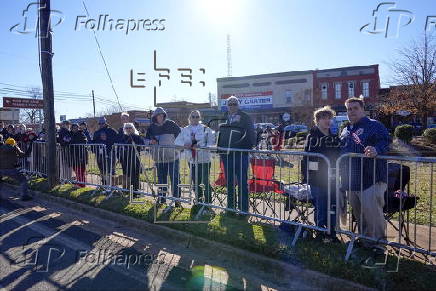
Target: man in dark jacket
column 111, row 134
column 366, row 190
column 63, row 138
column 110, row 137
column 236, row 133
column 9, row 154
column 84, row 128
column 64, row 133
column 10, row 132
column 164, row 131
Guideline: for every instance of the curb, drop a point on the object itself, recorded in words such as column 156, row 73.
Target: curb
column 278, row 268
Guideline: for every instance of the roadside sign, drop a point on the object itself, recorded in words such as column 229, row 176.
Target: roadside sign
column 24, row 103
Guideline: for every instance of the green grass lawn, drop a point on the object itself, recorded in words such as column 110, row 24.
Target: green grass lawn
column 263, row 238
column 288, row 171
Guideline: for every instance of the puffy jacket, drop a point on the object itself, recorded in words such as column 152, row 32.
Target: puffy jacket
column 354, row 138
column 9, row 156
column 200, row 135
column 164, row 134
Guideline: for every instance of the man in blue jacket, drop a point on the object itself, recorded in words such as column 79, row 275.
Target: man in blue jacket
column 365, row 179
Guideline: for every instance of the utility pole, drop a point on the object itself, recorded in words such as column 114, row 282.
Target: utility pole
column 46, row 56
column 93, row 102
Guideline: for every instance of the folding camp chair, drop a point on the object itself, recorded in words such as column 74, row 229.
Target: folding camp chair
column 299, row 202
column 262, row 181
column 397, row 201
column 263, row 169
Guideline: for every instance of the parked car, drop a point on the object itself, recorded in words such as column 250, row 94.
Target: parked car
column 418, row 128
column 264, row 125
column 337, row 122
column 293, row 129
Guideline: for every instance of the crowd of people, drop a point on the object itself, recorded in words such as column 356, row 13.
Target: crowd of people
column 365, row 186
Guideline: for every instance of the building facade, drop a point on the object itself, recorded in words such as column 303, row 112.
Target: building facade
column 9, row 115
column 179, row 110
column 333, row 86
column 266, row 97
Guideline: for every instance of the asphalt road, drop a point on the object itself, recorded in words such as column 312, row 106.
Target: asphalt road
column 45, row 246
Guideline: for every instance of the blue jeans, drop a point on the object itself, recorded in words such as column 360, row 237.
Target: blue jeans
column 236, row 164
column 16, row 175
column 320, row 201
column 171, row 169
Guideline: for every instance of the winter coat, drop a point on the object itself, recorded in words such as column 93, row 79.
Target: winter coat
column 9, row 156
column 164, row 134
column 314, row 169
column 111, row 136
column 78, row 152
column 237, row 132
column 366, row 132
column 200, row 135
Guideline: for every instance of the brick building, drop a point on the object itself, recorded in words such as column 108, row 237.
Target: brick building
column 180, row 110
column 333, row 86
column 139, row 117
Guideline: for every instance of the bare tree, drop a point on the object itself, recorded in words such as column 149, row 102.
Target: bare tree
column 414, row 73
column 32, row 116
column 108, row 110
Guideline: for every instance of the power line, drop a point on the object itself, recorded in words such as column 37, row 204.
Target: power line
column 64, row 96
column 104, row 60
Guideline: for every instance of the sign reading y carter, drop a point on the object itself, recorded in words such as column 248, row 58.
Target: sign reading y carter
column 249, row 101
column 25, row 103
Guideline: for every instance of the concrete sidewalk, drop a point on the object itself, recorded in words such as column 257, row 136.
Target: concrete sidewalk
column 184, row 256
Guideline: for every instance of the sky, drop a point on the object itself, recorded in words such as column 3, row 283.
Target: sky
column 266, row 37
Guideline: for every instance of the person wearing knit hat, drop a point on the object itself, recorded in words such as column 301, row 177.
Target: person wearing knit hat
column 9, row 155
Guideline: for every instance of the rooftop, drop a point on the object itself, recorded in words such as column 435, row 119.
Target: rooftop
column 289, row 74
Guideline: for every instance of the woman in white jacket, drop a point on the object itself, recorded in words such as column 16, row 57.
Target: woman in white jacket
column 192, row 137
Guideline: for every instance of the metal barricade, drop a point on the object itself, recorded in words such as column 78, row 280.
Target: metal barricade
column 153, row 171
column 84, row 164
column 298, row 188
column 267, row 185
column 38, row 165
column 387, row 201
